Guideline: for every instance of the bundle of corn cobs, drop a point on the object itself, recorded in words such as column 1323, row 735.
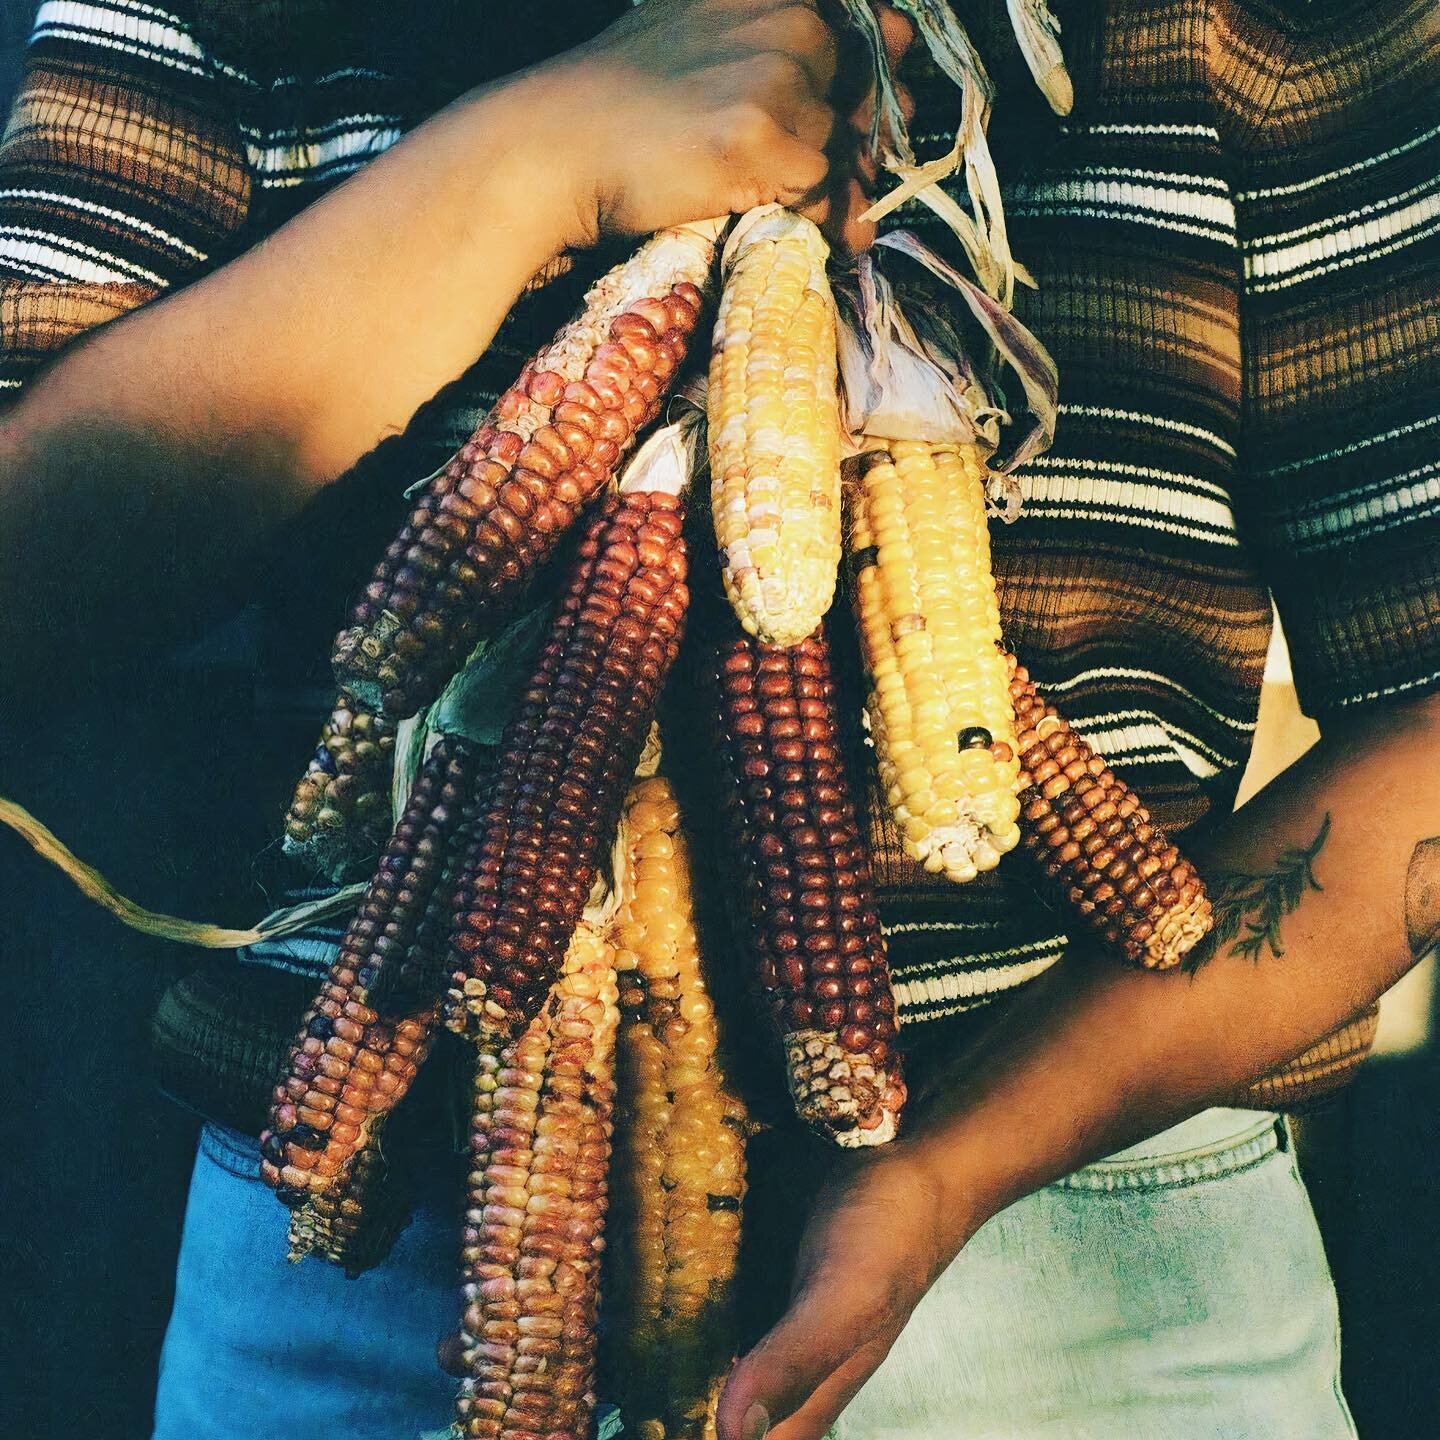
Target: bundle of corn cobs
column 535, row 896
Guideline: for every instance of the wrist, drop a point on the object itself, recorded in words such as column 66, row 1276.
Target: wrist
column 529, row 159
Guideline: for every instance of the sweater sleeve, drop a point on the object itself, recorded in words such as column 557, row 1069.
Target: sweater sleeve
column 1339, row 216
column 121, row 174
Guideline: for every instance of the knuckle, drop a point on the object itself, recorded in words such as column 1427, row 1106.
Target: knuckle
column 746, row 128
column 782, row 71
column 810, row 31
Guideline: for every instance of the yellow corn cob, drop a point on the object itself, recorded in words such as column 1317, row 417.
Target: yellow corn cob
column 775, row 429
column 681, row 1162
column 939, row 706
column 534, row 1231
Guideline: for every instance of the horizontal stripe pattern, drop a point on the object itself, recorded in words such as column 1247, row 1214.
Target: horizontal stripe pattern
column 1235, row 236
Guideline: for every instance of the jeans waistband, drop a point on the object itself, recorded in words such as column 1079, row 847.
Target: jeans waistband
column 1212, row 1144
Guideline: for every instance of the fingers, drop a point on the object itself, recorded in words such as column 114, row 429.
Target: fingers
column 798, row 32
column 804, row 1372
column 896, row 30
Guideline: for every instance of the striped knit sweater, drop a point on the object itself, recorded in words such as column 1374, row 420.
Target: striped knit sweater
column 1236, row 236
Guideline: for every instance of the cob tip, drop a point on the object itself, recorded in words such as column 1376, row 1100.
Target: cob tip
column 844, row 1094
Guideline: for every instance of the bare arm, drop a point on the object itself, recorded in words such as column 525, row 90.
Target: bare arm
column 1333, row 875
column 141, row 472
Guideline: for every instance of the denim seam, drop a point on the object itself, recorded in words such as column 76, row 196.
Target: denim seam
column 1176, row 1171
column 231, row 1151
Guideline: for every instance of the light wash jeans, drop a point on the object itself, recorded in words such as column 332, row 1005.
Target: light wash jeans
column 1177, row 1291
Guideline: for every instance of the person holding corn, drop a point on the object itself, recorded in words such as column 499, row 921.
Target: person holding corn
column 247, row 250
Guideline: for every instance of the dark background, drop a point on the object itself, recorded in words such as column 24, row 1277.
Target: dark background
column 142, row 781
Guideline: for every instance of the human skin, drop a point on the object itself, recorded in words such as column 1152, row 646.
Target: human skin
column 144, row 472
column 1094, row 1056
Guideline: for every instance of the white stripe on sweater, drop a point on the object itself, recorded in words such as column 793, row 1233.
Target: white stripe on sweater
column 1375, row 209
column 1369, row 240
column 1126, row 672
column 971, row 984
column 1352, row 448
column 120, row 217
column 1195, row 211
column 1297, row 186
column 134, row 29
column 83, row 263
column 292, row 163
column 1105, row 412
column 1398, row 500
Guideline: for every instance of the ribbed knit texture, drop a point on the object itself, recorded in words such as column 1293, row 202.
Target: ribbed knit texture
column 1236, row 236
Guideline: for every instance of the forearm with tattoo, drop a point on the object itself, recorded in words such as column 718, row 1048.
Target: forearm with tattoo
column 1249, row 908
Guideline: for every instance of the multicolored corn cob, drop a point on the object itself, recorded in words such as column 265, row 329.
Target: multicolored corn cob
column 939, row 705
column 352, row 1064
column 340, row 813
column 680, row 1173
column 775, row 428
column 566, row 759
column 1097, row 842
column 482, row 527
column 1319, row 1071
column 534, row 1230
column 355, row 1223
column 820, row 952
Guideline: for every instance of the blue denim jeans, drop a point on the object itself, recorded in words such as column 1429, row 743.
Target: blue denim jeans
column 1177, row 1291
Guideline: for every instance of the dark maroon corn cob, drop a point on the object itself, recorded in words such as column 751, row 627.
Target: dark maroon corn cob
column 566, row 760
column 484, row 525
column 351, row 1064
column 819, row 950
column 340, row 813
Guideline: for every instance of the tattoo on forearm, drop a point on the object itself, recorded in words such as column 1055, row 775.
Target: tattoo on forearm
column 1422, row 897
column 1249, row 908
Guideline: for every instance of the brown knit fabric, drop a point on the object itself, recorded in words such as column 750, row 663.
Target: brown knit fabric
column 1236, row 235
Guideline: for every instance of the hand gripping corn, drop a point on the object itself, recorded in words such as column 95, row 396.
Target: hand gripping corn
column 775, row 428
column 819, row 950
column 1094, row 838
column 939, row 705
column 680, row 1150
column 534, row 1229
column 482, row 527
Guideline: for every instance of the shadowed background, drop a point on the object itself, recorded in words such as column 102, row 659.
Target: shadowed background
column 142, row 780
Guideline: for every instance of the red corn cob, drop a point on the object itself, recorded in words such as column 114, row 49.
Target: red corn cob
column 534, row 1232
column 820, row 951
column 340, row 813
column 351, row 1065
column 567, row 757
column 1097, row 842
column 482, row 527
